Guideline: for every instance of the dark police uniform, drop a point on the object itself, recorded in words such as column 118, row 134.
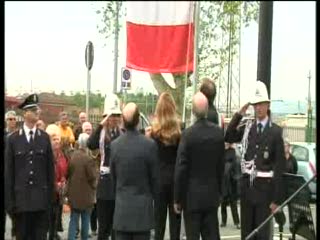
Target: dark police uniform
column 267, row 151
column 29, row 179
column 105, row 188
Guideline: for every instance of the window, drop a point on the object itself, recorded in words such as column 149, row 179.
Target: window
column 300, row 153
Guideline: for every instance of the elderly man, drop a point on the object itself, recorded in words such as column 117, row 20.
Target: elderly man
column 198, row 174
column 11, row 126
column 262, row 164
column 11, row 122
column 87, row 128
column 77, row 129
column 29, row 174
column 135, row 174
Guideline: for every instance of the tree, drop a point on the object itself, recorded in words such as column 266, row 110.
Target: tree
column 217, row 18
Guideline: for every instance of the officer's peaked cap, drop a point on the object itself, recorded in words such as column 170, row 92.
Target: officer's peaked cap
column 30, row 102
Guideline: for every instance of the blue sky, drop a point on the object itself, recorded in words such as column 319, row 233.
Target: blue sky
column 45, row 44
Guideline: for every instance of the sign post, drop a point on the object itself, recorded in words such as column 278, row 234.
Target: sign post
column 89, row 62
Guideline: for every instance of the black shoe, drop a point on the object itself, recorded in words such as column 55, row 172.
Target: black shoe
column 222, row 225
column 237, row 226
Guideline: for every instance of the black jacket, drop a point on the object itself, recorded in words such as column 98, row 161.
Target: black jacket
column 135, row 174
column 167, row 162
column 291, row 164
column 29, row 172
column 268, row 152
column 213, row 114
column 232, row 172
column 199, row 167
column 105, row 190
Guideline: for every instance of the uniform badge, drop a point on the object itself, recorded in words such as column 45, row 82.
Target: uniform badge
column 266, row 154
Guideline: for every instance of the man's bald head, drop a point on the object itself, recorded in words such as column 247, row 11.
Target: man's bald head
column 200, row 105
column 130, row 114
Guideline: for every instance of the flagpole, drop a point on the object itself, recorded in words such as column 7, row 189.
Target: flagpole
column 191, row 17
column 195, row 52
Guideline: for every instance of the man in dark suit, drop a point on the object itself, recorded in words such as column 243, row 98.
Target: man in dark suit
column 198, row 174
column 135, row 174
column 29, row 175
column 262, row 164
column 208, row 88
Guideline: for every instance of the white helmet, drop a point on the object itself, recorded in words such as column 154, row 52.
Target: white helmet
column 261, row 94
column 111, row 105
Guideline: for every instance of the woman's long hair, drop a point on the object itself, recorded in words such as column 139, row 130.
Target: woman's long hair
column 166, row 126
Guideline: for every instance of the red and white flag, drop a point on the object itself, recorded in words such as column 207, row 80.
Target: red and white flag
column 160, row 36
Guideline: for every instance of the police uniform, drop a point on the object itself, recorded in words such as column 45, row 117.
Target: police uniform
column 29, row 176
column 105, row 187
column 262, row 167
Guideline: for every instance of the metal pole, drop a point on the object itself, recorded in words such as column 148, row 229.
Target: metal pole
column 88, row 84
column 116, row 36
column 309, row 123
column 239, row 55
column 195, row 52
column 229, row 61
column 265, row 44
column 88, row 91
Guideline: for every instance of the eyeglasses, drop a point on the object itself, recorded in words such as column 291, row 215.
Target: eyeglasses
column 11, row 119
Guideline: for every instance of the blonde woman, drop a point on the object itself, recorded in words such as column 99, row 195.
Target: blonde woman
column 61, row 167
column 166, row 131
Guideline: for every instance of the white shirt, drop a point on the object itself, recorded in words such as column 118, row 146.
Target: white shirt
column 263, row 122
column 27, row 130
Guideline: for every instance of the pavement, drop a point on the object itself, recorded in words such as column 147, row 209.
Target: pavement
column 229, row 232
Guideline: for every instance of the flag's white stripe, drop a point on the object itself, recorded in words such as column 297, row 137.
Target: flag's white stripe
column 160, row 13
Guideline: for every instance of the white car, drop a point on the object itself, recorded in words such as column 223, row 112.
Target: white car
column 305, row 154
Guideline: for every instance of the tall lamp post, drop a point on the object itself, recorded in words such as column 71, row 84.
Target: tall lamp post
column 265, row 44
column 309, row 124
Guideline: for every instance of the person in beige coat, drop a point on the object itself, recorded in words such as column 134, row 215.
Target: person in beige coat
column 81, row 188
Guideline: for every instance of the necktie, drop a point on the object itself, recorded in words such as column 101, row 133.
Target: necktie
column 31, row 136
column 113, row 133
column 259, row 128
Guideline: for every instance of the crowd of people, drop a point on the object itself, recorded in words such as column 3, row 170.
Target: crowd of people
column 122, row 183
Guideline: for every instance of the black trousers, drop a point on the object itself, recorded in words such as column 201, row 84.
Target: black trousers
column 202, row 222
column 132, row 235
column 166, row 203
column 59, row 222
column 31, row 225
column 105, row 210
column 234, row 211
column 93, row 218
column 254, row 209
column 53, row 220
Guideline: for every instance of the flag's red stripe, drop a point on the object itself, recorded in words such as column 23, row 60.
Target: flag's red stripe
column 160, row 48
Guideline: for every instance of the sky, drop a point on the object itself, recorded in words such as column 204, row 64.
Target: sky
column 45, row 50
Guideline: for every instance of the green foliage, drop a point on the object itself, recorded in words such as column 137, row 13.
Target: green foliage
column 79, row 99
column 218, row 21
column 108, row 16
column 146, row 103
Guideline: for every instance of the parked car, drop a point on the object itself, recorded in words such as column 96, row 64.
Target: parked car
column 305, row 153
column 143, row 123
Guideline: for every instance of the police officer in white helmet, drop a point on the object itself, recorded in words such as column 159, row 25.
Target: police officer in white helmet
column 108, row 130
